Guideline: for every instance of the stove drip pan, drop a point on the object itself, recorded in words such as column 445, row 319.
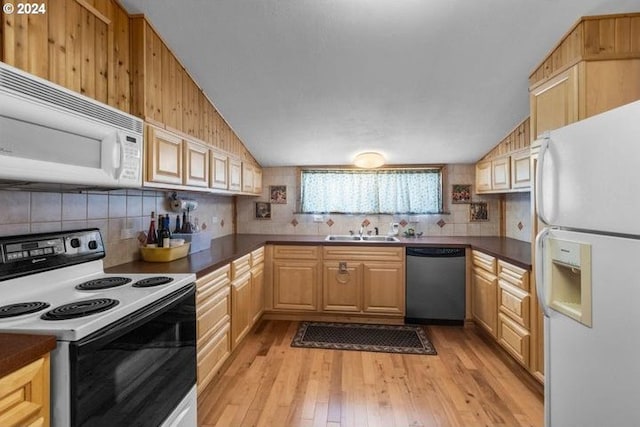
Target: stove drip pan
column 152, row 281
column 103, row 283
column 21, row 308
column 80, row 309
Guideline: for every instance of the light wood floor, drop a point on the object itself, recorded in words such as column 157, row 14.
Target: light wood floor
column 272, row 384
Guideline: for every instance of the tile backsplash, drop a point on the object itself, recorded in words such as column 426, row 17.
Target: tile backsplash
column 112, row 212
column 518, row 216
column 285, row 220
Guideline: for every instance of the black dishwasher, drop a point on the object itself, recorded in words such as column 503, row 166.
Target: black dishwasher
column 435, row 285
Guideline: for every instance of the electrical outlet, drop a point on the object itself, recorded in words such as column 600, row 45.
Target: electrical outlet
column 214, row 220
column 318, row 218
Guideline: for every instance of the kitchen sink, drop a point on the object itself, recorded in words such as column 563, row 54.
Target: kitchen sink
column 350, row 238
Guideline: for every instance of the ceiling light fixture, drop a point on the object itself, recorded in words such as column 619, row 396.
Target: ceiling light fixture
column 369, row 160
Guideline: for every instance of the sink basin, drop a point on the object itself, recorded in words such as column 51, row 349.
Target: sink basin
column 380, row 239
column 346, row 237
column 350, row 238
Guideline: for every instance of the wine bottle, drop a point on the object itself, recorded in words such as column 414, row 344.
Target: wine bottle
column 152, row 238
column 160, row 227
column 177, row 229
column 165, row 234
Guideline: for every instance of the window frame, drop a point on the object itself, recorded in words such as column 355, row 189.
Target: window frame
column 439, row 167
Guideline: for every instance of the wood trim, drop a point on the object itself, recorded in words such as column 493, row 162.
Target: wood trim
column 94, row 11
column 503, row 215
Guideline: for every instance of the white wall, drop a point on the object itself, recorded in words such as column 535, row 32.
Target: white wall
column 284, row 216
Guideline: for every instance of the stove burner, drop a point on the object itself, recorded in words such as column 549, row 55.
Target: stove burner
column 80, row 309
column 21, row 308
column 103, row 283
column 152, row 281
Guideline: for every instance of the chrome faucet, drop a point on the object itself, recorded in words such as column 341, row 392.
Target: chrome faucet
column 361, row 232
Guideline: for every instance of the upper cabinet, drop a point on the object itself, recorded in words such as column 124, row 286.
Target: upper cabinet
column 506, row 167
column 77, row 44
column 592, row 69
column 165, row 95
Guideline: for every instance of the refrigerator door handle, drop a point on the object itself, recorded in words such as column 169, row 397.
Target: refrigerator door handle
column 539, row 271
column 544, row 147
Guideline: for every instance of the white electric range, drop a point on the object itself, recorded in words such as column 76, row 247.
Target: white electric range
column 126, row 343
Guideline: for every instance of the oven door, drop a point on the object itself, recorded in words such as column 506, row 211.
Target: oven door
column 137, row 371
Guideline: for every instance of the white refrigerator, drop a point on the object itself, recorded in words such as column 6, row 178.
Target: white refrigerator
column 588, row 270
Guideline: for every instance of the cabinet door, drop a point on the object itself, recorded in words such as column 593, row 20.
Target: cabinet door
column 247, row 177
column 295, row 285
column 257, row 292
column 235, row 175
column 196, row 166
column 484, row 299
column 24, row 395
column 514, row 338
column 219, row 170
column 164, row 156
column 341, row 286
column 383, row 288
column 501, row 174
column 483, row 176
column 555, row 103
column 240, row 308
column 257, row 180
column 520, row 170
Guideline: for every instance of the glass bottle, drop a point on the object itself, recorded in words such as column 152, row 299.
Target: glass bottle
column 177, row 229
column 160, row 227
column 152, row 238
column 165, row 233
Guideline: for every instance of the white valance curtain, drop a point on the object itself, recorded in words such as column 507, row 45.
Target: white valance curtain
column 404, row 191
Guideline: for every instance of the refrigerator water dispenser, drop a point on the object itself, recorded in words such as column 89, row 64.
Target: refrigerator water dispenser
column 570, row 284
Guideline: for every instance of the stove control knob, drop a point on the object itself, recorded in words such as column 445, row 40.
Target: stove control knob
column 75, row 242
column 93, row 245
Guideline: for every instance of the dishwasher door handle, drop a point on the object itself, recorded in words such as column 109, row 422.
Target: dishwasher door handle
column 438, row 252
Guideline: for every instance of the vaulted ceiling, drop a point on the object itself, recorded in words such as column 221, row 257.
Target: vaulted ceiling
column 314, row 82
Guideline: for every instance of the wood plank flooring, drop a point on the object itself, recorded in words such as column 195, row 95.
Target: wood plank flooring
column 467, row 384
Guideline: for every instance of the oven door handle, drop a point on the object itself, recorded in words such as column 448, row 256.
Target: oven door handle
column 133, row 320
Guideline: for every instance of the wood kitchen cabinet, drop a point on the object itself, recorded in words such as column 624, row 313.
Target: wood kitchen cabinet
column 83, row 46
column 296, row 277
column 164, row 152
column 235, row 175
column 484, row 297
column 505, row 168
column 257, row 284
column 592, row 69
column 247, row 177
column 196, row 167
column 24, row 395
column 364, row 279
column 213, row 323
column 241, row 319
column 218, row 166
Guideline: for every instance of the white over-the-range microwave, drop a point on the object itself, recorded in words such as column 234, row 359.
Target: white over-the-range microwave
column 51, row 135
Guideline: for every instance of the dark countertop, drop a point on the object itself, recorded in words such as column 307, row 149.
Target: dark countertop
column 225, row 249
column 18, row 350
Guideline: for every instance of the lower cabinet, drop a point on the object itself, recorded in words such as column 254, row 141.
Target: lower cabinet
column 365, row 280
column 296, row 274
column 240, row 308
column 484, row 297
column 24, row 395
column 213, row 323
column 257, row 284
column 502, row 304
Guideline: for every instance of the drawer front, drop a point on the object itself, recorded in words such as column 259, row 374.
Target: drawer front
column 514, row 302
column 515, row 275
column 296, row 252
column 212, row 356
column 212, row 314
column 482, row 260
column 212, row 283
column 514, row 339
column 363, row 253
column 257, row 257
column 240, row 266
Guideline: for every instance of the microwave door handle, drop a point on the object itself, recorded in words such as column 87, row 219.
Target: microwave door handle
column 539, row 270
column 120, row 144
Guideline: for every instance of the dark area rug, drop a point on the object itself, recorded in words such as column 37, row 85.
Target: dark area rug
column 363, row 337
